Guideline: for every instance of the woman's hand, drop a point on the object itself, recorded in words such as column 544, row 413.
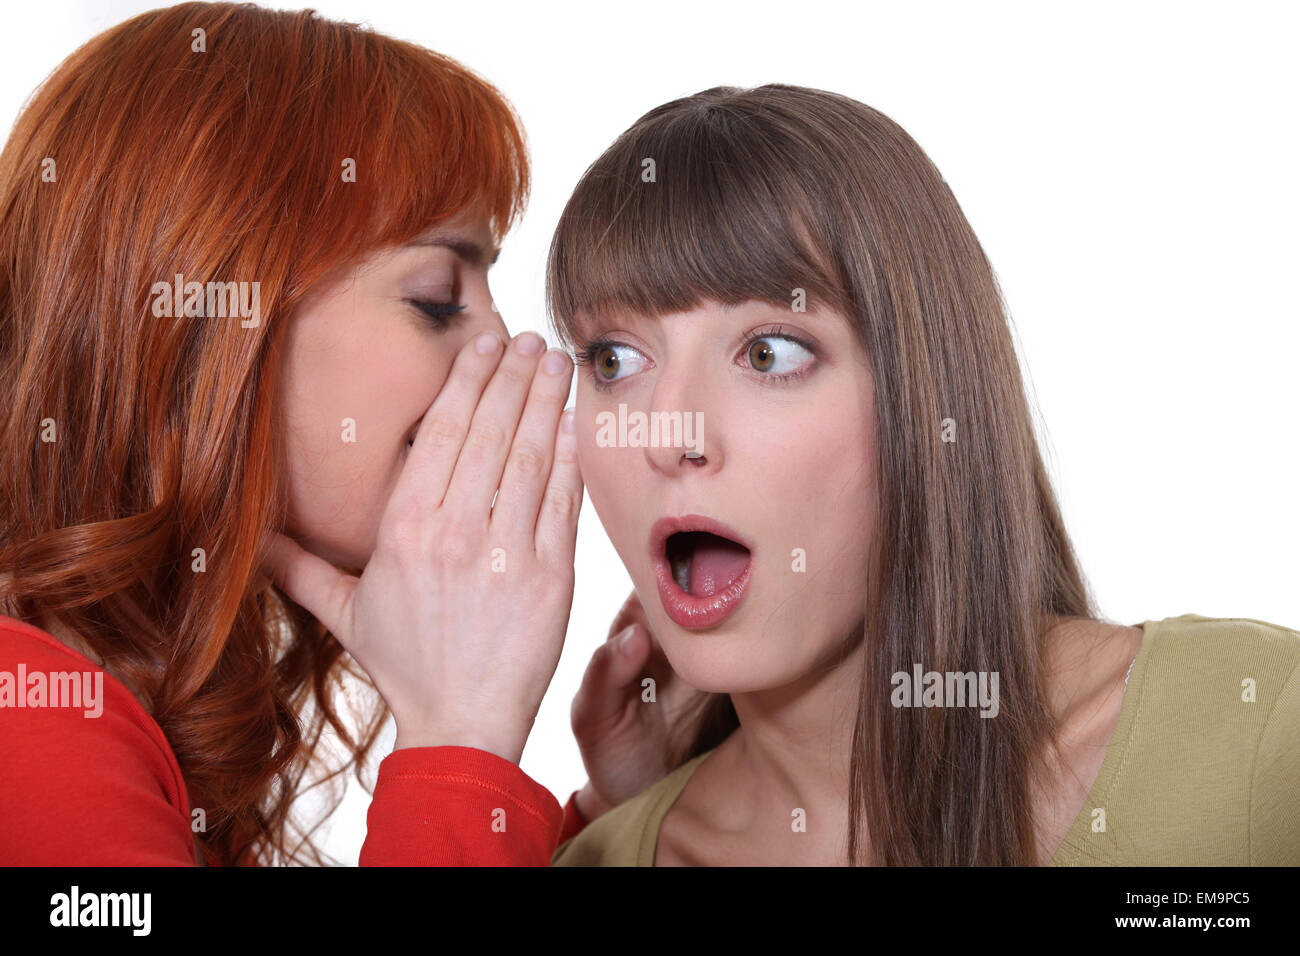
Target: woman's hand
column 459, row 616
column 623, row 738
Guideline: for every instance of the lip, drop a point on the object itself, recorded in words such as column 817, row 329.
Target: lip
column 684, row 609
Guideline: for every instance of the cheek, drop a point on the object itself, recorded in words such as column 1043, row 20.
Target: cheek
column 618, row 484
column 332, row 510
column 608, row 478
column 806, row 469
column 346, row 448
column 815, row 499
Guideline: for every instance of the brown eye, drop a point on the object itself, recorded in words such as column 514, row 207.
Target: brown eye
column 761, row 356
column 611, row 362
column 607, row 362
column 779, row 357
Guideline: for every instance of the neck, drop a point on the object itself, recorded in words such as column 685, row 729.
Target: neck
column 794, row 745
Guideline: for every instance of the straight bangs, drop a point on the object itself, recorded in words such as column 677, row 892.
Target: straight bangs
column 692, row 205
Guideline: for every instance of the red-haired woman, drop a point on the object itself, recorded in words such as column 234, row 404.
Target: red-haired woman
column 245, row 330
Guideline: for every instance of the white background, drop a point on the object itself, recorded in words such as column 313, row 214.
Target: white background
column 1130, row 169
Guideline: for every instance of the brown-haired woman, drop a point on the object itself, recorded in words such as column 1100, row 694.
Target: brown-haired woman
column 868, row 508
column 245, row 327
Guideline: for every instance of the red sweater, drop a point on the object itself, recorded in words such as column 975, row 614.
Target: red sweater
column 104, row 789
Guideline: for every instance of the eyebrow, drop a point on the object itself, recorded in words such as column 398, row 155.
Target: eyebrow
column 466, row 249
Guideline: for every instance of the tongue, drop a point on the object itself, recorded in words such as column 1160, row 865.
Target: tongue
column 714, row 565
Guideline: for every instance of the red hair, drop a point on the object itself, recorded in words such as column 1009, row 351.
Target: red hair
column 224, row 164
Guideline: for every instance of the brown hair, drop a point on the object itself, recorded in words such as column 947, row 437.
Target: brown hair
column 758, row 192
column 222, row 164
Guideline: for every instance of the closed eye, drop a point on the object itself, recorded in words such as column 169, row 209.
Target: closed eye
column 438, row 314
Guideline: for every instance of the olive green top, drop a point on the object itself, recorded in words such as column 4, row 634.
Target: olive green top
column 1197, row 772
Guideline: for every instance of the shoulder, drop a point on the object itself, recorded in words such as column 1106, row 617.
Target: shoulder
column 1258, row 666
column 1226, row 674
column 1215, row 724
column 627, row 834
column 1216, row 649
column 43, row 676
column 80, row 755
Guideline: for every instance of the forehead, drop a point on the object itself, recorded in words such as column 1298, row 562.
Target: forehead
column 473, row 219
column 748, row 309
column 468, row 235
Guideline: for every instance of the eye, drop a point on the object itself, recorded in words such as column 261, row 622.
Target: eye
column 777, row 354
column 609, row 360
column 439, row 314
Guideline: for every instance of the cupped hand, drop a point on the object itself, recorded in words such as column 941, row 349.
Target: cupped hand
column 625, row 739
column 459, row 616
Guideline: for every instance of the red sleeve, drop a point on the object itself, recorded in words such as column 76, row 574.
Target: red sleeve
column 459, row 806
column 90, row 780
column 105, row 790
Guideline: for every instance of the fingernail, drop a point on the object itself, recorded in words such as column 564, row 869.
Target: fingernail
column 625, row 641
column 529, row 343
column 487, row 343
column 615, row 638
column 568, row 421
column 555, row 362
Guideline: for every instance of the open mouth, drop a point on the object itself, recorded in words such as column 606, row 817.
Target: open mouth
column 704, row 563
column 702, row 568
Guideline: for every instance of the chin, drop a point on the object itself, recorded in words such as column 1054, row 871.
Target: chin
column 740, row 679
column 721, row 663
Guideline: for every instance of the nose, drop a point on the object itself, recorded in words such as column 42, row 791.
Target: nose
column 676, row 443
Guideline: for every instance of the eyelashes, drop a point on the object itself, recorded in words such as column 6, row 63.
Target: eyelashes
column 753, row 354
column 439, row 315
column 586, row 353
column 758, row 352
column 592, row 356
